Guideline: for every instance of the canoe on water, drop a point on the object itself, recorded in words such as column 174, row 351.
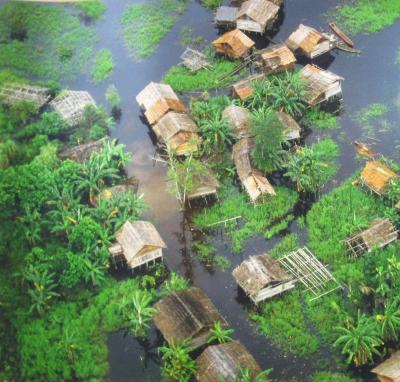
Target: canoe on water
column 341, row 46
column 339, row 33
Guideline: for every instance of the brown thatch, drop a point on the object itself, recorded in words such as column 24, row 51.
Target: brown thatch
column 226, row 16
column 277, row 58
column 309, row 42
column 71, row 104
column 139, row 243
column 389, row 370
column 376, row 176
column 239, row 118
column 252, row 180
column 256, row 15
column 186, row 314
column 206, row 184
column 83, row 152
column 178, row 131
column 243, row 89
column 224, row 361
column 162, row 107
column 259, row 276
column 234, row 44
column 380, row 233
column 321, row 85
column 291, row 128
column 152, row 93
column 13, row 93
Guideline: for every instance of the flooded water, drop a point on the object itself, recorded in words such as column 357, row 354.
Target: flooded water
column 372, row 77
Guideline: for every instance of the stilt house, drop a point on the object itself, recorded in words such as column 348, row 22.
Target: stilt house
column 307, row 41
column 206, row 184
column 82, row 153
column 234, row 44
column 156, row 100
column 243, row 88
column 380, row 233
column 321, row 85
column 291, row 128
column 138, row 243
column 255, row 184
column 13, row 93
column 377, row 177
column 389, row 370
column 188, row 314
column 277, row 58
column 224, row 361
column 178, row 131
column 71, row 104
column 226, row 17
column 239, row 118
column 261, row 277
column 256, row 15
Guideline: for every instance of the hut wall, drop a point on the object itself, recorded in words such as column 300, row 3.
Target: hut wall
column 271, row 291
column 320, row 49
column 250, row 26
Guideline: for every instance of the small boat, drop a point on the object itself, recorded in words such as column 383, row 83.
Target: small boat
column 364, row 150
column 339, row 33
column 339, row 45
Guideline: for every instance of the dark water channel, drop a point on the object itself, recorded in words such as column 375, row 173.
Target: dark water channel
column 371, row 77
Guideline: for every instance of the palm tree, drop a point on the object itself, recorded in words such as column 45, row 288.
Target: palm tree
column 359, row 341
column 389, row 321
column 114, row 152
column 32, row 227
column 244, row 375
column 217, row 132
column 219, row 334
column 94, row 272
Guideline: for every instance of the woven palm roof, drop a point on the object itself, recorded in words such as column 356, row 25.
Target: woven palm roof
column 305, row 38
column 153, row 92
column 291, row 128
column 12, row 93
column 226, row 14
column 173, row 123
column 389, row 369
column 224, row 361
column 239, row 118
column 377, row 176
column 278, row 55
column 82, row 152
column 205, row 184
column 259, row 11
column 236, row 39
column 259, row 272
column 243, row 88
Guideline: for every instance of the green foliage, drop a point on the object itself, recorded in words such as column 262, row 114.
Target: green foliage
column 364, row 16
column 389, row 321
column 245, row 375
column 217, row 134
column 103, row 65
column 45, row 42
column 219, row 334
column 211, row 4
column 178, row 365
column 371, row 112
column 176, row 283
column 92, row 9
column 144, row 25
column 112, row 96
column 189, row 39
column 326, row 376
column 315, row 117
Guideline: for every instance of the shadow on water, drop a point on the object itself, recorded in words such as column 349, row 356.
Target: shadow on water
column 370, row 77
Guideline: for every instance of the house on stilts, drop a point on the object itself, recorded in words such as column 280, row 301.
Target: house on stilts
column 277, row 58
column 389, row 370
column 205, row 184
column 186, row 315
column 234, row 44
column 243, row 89
column 223, row 361
column 377, row 177
column 137, row 243
column 226, row 17
column 12, row 93
column 239, row 118
column 82, row 153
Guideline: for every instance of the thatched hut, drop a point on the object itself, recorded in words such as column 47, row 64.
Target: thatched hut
column 321, row 85
column 243, row 88
column 277, row 58
column 82, row 153
column 380, row 233
column 262, row 277
column 255, row 184
column 223, row 361
column 12, row 93
column 226, row 16
column 71, row 104
column 234, row 44
column 194, row 60
column 138, row 243
column 377, row 177
column 256, row 15
column 206, row 184
column 309, row 42
column 188, row 314
column 156, row 100
column 389, row 370
column 130, row 186
column 291, row 129
column 178, row 131
column 239, row 118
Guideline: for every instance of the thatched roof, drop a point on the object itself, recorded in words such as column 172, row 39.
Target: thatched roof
column 71, row 104
column 239, row 118
column 152, row 93
column 83, row 152
column 259, row 272
column 226, row 15
column 137, row 238
column 186, row 314
column 194, row 60
column 206, row 184
column 320, row 84
column 389, row 370
column 305, row 39
column 224, row 361
column 12, row 93
column 130, row 186
column 235, row 44
column 161, row 107
column 376, row 176
column 260, row 11
column 291, row 128
column 278, row 58
column 243, row 89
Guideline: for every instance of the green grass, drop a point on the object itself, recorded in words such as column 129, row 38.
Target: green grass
column 103, row 65
column 181, row 79
column 92, row 9
column 261, row 219
column 320, row 119
column 212, row 4
column 144, row 25
column 366, row 16
column 56, row 46
column 326, row 376
column 371, row 112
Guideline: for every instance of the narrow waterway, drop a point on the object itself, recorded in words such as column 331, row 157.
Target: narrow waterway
column 372, row 77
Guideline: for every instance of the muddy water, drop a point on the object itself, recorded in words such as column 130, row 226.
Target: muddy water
column 371, row 77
